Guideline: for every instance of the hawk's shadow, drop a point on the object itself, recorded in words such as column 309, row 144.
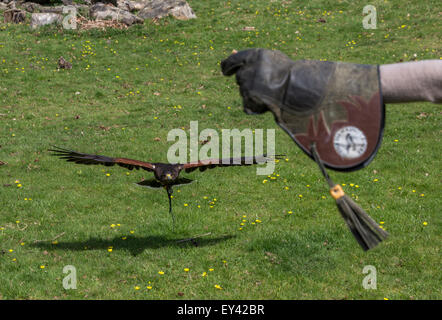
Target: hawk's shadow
column 135, row 245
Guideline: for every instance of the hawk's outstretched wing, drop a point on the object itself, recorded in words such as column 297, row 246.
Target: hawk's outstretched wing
column 90, row 159
column 226, row 162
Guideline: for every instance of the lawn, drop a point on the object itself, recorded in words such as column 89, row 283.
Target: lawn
column 283, row 239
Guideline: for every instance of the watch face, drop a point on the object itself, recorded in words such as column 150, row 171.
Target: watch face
column 350, row 142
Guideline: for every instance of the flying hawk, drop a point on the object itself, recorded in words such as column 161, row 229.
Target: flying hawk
column 165, row 175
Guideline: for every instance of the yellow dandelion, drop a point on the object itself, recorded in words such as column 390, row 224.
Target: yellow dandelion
column 186, row 269
column 42, row 267
column 149, row 287
column 425, row 223
column 185, row 204
column 204, row 274
column 137, row 288
column 217, row 286
column 211, row 269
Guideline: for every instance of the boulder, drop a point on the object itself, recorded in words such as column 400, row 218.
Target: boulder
column 100, row 11
column 138, row 5
column 41, row 19
column 126, row 5
column 113, row 2
column 157, row 9
column 31, row 7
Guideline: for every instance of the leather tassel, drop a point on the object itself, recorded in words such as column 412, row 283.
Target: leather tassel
column 365, row 230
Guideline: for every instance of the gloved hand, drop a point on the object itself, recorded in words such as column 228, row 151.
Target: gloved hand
column 269, row 78
column 338, row 106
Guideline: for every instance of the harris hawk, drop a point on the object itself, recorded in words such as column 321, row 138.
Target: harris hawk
column 166, row 175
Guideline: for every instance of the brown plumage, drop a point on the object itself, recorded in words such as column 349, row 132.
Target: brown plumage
column 166, row 175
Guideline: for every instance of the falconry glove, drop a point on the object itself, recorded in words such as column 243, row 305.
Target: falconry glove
column 338, row 106
column 332, row 110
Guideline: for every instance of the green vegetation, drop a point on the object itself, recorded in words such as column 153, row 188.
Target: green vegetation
column 128, row 88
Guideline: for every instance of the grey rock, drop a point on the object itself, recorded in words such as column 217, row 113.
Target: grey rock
column 41, row 19
column 139, row 5
column 56, row 9
column 31, row 7
column 100, row 11
column 126, row 5
column 114, row 2
column 157, row 9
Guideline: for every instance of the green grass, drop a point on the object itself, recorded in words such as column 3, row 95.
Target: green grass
column 120, row 96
